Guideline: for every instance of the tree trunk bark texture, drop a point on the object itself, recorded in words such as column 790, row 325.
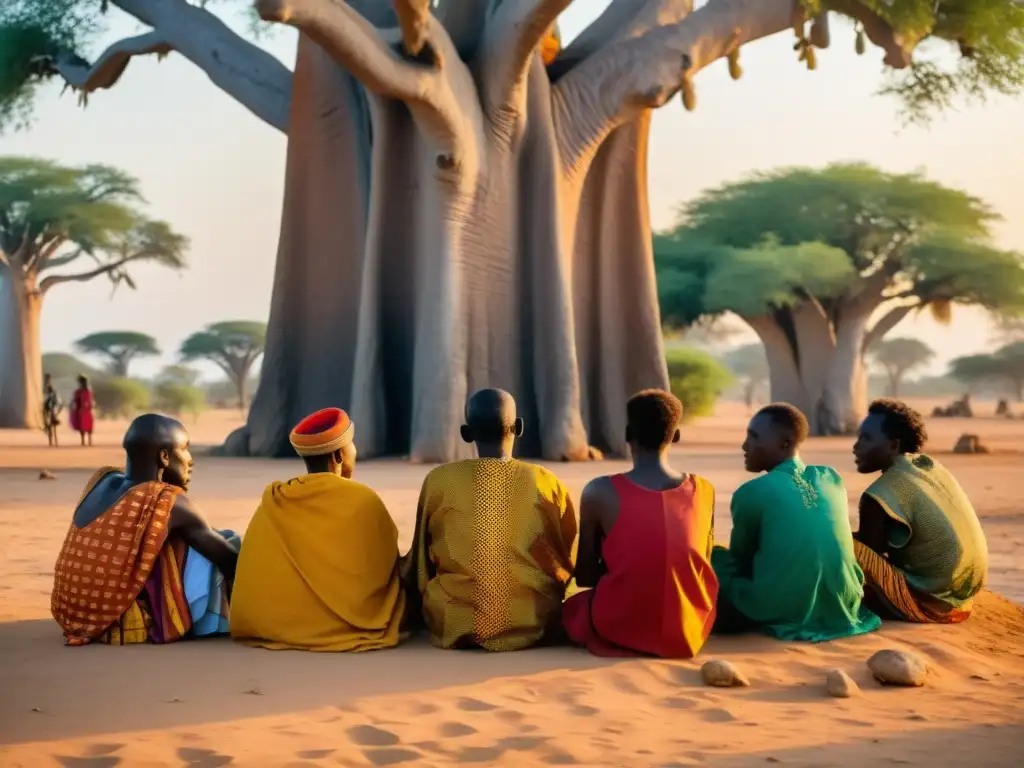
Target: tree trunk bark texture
column 404, row 285
column 21, row 375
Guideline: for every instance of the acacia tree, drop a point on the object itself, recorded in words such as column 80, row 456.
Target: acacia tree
column 234, row 346
column 1005, row 365
column 62, row 225
column 898, row 357
column 118, row 349
column 822, row 264
column 461, row 212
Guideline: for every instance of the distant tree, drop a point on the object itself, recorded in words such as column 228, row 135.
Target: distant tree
column 1009, row 330
column 750, row 365
column 118, row 398
column 177, row 398
column 118, row 348
column 808, row 257
column 898, row 357
column 61, row 224
column 234, row 346
column 61, row 365
column 697, row 379
column 1005, row 366
column 179, row 374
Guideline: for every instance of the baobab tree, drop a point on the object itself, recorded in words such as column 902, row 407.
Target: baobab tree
column 460, row 212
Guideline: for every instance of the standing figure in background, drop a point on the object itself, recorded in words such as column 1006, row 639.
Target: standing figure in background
column 81, row 410
column 52, row 407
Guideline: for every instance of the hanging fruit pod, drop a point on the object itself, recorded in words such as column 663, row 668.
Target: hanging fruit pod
column 812, row 59
column 689, row 95
column 735, row 70
column 821, row 36
column 803, row 53
column 862, row 44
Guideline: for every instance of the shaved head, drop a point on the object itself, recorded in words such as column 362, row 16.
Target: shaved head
column 151, row 432
column 160, row 444
column 491, row 417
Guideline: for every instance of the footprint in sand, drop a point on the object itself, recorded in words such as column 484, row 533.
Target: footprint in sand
column 522, row 743
column 101, row 750
column 478, row 754
column 454, row 730
column 203, row 758
column 677, row 702
column 371, row 736
column 559, row 758
column 314, row 754
column 390, row 756
column 474, row 705
column 88, row 762
column 717, row 716
column 583, row 710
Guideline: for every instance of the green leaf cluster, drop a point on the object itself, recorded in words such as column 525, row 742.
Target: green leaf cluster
column 1005, row 364
column 120, row 398
column 697, row 379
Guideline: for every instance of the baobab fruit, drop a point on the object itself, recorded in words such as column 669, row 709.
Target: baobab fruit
column 735, row 70
column 861, row 45
column 689, row 95
column 898, row 668
column 840, row 685
column 820, row 35
column 722, row 674
column 812, row 59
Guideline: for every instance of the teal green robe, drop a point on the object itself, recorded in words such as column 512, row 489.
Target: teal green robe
column 790, row 568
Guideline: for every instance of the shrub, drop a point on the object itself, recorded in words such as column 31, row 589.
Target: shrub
column 697, row 379
column 119, row 398
column 176, row 398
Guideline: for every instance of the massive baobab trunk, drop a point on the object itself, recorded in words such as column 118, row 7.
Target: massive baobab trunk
column 21, row 378
column 459, row 213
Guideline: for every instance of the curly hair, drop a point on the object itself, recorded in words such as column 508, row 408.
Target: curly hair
column 790, row 417
column 653, row 416
column 901, row 422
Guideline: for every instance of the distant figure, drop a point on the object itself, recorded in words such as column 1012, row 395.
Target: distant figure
column 52, row 406
column 319, row 567
column 645, row 547
column 81, row 410
column 790, row 569
column 119, row 577
column 492, row 551
column 920, row 543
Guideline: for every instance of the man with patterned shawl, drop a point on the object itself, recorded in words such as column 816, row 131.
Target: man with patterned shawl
column 920, row 543
column 319, row 567
column 492, row 551
column 120, row 575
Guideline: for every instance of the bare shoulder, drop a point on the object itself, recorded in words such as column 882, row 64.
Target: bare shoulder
column 599, row 491
column 186, row 512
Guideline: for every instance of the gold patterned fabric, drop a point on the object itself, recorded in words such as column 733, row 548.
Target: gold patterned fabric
column 492, row 553
column 104, row 566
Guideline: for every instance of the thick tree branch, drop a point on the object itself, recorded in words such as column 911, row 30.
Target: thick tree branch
column 512, row 36
column 55, row 262
column 887, row 322
column 81, row 277
column 247, row 73
column 644, row 72
column 111, row 64
column 372, row 57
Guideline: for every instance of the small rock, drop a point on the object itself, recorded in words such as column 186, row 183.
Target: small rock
column 898, row 668
column 840, row 684
column 45, row 474
column 722, row 674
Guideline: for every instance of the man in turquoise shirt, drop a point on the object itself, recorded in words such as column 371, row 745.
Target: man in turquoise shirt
column 790, row 569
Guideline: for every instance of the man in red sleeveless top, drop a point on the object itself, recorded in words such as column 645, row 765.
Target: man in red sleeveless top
column 645, row 545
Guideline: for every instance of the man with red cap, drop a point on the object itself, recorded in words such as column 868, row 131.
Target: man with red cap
column 318, row 569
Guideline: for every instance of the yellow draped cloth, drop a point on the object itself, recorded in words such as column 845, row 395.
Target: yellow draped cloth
column 492, row 553
column 318, row 569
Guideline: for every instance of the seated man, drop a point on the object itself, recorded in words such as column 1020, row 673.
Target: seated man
column 920, row 544
column 118, row 578
column 645, row 547
column 492, row 551
column 319, row 567
column 790, row 570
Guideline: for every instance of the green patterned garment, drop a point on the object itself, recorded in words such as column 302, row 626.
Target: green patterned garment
column 934, row 535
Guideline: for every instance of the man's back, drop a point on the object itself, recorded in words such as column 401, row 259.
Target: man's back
column 494, row 552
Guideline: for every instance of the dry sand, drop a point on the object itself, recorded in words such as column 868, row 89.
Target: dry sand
column 214, row 703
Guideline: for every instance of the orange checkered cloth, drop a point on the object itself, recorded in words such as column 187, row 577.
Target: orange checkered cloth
column 103, row 567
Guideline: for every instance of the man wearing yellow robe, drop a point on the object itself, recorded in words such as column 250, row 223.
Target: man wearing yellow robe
column 492, row 551
column 318, row 570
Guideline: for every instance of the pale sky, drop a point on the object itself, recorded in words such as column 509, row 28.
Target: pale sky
column 216, row 173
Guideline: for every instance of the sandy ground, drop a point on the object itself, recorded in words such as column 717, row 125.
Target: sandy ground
column 214, row 703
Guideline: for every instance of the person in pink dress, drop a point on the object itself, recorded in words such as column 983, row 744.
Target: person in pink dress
column 81, row 410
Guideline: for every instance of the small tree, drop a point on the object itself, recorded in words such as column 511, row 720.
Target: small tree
column 120, row 398
column 898, row 357
column 1005, row 366
column 697, row 379
column 179, row 374
column 750, row 364
column 118, row 349
column 234, row 346
column 60, row 225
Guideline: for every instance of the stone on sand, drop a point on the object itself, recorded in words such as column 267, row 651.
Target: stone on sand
column 892, row 667
column 722, row 674
column 840, row 684
column 45, row 474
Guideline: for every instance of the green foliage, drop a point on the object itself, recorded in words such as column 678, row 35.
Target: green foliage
column 234, row 346
column 119, row 348
column 772, row 240
column 178, row 398
column 697, row 379
column 902, row 353
column 748, row 361
column 61, row 365
column 120, row 398
column 179, row 374
column 1006, row 366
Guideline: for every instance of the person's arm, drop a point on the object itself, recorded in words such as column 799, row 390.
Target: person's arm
column 872, row 529
column 412, row 563
column 187, row 521
column 711, row 530
column 588, row 556
column 746, row 526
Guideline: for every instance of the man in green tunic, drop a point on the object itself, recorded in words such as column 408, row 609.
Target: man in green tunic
column 790, row 569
